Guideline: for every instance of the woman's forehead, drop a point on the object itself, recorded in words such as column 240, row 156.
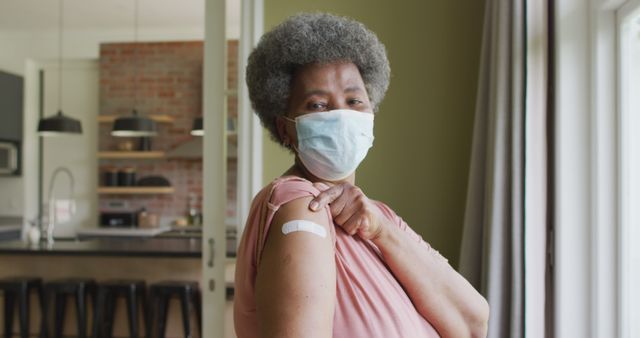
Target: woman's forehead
column 318, row 78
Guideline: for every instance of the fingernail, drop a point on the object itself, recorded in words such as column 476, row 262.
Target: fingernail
column 313, row 205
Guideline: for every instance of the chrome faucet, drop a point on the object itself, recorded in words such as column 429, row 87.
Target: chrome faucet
column 52, row 201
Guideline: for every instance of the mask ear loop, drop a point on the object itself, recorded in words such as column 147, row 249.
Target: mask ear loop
column 292, row 146
column 287, row 144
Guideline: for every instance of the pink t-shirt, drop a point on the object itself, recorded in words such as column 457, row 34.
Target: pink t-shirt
column 370, row 302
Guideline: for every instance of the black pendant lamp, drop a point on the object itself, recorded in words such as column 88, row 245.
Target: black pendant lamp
column 134, row 125
column 198, row 129
column 59, row 124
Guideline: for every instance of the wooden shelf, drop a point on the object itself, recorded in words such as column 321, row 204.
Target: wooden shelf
column 135, row 190
column 156, row 117
column 141, row 155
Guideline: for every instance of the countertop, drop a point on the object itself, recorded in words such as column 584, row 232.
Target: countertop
column 129, row 247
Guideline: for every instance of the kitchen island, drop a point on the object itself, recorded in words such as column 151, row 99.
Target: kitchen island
column 107, row 247
column 150, row 259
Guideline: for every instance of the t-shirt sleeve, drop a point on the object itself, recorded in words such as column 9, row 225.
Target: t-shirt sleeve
column 286, row 191
column 398, row 221
column 283, row 192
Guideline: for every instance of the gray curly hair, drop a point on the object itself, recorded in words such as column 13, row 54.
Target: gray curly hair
column 311, row 38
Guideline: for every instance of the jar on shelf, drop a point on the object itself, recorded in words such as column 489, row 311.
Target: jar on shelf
column 125, row 145
column 127, row 177
column 110, row 176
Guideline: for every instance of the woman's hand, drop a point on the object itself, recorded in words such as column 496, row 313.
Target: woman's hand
column 351, row 210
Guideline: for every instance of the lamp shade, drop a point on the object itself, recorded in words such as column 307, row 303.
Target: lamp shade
column 59, row 124
column 134, row 126
column 197, row 129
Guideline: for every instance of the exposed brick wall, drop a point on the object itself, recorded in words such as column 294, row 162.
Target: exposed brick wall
column 167, row 77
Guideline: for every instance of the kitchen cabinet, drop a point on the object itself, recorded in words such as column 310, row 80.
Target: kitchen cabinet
column 11, row 88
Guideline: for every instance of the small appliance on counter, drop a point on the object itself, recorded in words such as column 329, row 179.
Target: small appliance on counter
column 118, row 215
column 9, row 158
column 119, row 219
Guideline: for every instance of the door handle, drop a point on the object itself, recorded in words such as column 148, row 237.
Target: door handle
column 212, row 252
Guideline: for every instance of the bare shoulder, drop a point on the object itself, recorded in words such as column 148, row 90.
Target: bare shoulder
column 295, row 284
column 298, row 239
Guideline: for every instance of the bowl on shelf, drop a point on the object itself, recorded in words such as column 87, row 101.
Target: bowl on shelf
column 153, row 181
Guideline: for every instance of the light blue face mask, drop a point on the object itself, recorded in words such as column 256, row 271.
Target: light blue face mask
column 332, row 144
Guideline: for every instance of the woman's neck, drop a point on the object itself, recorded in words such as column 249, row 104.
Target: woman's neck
column 298, row 169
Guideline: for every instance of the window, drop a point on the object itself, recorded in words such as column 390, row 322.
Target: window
column 629, row 29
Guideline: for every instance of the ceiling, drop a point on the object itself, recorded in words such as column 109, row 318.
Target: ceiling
column 42, row 15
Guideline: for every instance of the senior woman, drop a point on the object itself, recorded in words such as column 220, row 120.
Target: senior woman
column 318, row 258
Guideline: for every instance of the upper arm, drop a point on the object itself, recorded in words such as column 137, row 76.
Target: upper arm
column 296, row 279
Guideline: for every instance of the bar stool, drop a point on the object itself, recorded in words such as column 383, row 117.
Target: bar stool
column 187, row 292
column 21, row 288
column 108, row 291
column 78, row 288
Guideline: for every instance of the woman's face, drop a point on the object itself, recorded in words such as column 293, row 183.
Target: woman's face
column 323, row 87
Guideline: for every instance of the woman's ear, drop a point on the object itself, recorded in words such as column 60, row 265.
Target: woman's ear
column 281, row 126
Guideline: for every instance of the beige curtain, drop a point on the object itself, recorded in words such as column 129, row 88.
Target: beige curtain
column 508, row 167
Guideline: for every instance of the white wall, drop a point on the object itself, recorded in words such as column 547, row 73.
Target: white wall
column 77, row 153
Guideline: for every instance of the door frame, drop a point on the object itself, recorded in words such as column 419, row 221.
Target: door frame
column 625, row 239
column 587, row 193
column 249, row 176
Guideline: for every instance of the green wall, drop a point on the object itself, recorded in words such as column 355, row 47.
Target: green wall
column 420, row 159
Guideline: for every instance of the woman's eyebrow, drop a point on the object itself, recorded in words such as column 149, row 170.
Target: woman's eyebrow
column 322, row 92
column 312, row 92
column 352, row 89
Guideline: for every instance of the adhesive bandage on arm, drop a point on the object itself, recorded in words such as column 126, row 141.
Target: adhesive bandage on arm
column 303, row 225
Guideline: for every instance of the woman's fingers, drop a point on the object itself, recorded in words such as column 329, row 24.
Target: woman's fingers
column 353, row 224
column 350, row 201
column 350, row 209
column 344, row 208
column 360, row 224
column 326, row 197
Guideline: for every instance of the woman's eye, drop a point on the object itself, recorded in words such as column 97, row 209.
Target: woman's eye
column 353, row 102
column 317, row 106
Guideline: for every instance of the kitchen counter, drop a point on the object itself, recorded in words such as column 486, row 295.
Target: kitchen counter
column 129, row 247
